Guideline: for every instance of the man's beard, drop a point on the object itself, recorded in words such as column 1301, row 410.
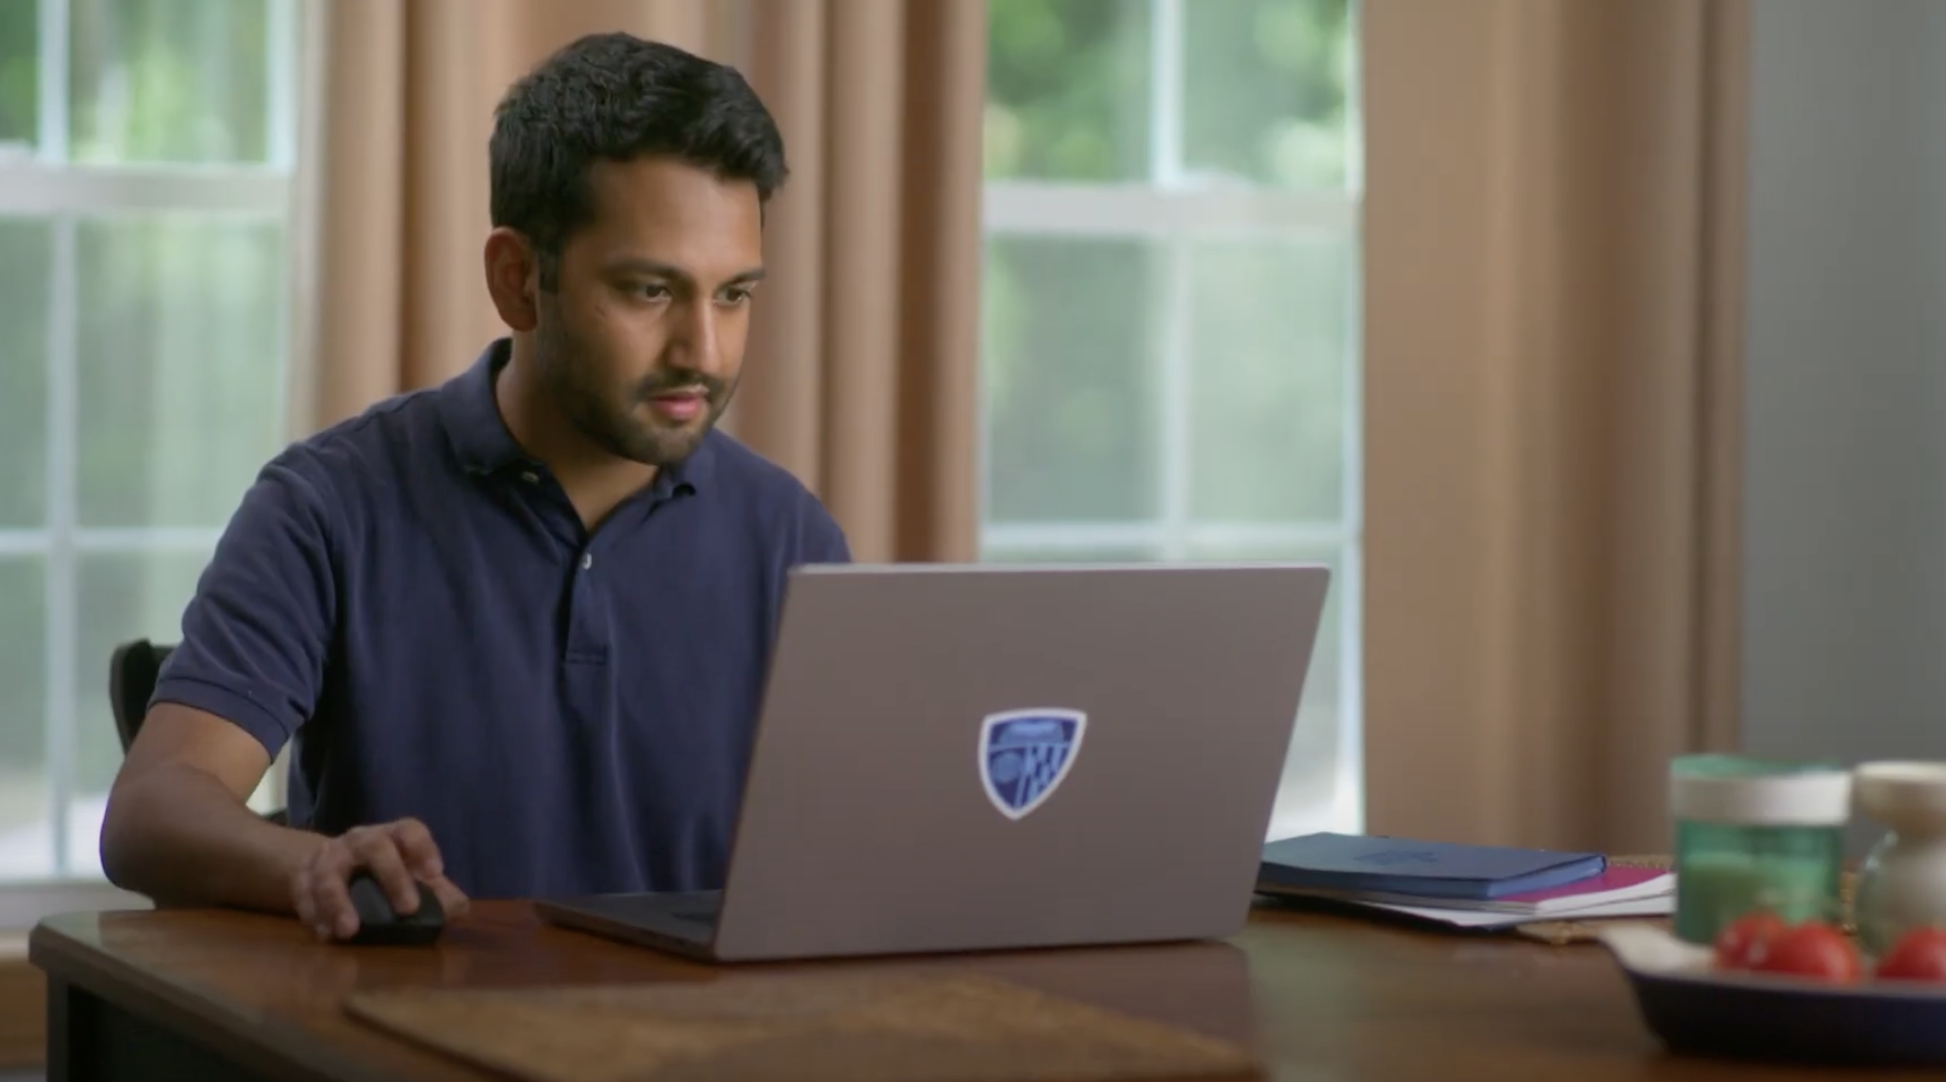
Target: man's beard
column 615, row 427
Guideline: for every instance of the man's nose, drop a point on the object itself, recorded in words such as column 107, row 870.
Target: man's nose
column 693, row 345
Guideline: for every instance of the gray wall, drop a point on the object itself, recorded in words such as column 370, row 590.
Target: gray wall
column 1845, row 445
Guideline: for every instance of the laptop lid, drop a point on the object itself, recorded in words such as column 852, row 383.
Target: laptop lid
column 967, row 757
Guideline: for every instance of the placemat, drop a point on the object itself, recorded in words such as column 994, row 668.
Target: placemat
column 811, row 1028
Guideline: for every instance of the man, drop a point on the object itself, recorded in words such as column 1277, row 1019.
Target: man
column 522, row 619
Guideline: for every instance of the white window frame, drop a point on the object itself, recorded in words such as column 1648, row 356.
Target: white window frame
column 1171, row 210
column 43, row 182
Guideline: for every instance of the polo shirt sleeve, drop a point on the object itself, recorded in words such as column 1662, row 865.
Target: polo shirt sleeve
column 256, row 634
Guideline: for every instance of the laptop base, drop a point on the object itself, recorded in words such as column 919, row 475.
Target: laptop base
column 679, row 923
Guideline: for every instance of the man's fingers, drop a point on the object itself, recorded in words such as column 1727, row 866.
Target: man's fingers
column 452, row 901
column 332, row 909
column 379, row 852
column 306, row 903
column 417, row 847
column 399, row 855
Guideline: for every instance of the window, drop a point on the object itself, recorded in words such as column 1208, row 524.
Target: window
column 1170, row 316
column 146, row 160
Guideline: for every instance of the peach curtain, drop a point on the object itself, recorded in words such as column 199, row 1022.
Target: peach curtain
column 862, row 374
column 1552, row 292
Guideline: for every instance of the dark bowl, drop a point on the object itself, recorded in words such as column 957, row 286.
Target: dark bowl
column 1696, row 1011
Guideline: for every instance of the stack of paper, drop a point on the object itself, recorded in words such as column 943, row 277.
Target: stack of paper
column 1463, row 885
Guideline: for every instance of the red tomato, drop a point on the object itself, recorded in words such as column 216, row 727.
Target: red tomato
column 1919, row 955
column 1745, row 941
column 1815, row 950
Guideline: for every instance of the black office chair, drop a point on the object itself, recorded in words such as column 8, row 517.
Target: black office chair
column 132, row 670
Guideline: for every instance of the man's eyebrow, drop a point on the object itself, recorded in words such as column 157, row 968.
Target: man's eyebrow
column 658, row 269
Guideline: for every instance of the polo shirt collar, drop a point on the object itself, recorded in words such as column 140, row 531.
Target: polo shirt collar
column 484, row 444
column 480, row 437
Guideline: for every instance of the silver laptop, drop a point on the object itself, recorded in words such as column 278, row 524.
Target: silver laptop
column 996, row 757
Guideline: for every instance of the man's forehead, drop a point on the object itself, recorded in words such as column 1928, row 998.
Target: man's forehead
column 665, row 211
column 664, row 187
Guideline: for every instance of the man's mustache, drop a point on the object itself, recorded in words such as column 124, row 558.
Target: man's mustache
column 689, row 382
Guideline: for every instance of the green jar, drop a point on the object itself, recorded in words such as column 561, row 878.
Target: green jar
column 1754, row 835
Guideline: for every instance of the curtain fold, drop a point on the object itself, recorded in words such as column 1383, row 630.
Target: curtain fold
column 861, row 374
column 1552, row 323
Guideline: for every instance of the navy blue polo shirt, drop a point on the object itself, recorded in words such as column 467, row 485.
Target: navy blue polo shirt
column 413, row 599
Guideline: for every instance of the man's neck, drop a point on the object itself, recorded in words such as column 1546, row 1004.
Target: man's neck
column 595, row 480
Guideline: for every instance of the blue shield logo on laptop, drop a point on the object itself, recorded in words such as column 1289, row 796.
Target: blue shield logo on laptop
column 1026, row 754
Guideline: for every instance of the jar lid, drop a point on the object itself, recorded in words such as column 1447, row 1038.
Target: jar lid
column 1801, row 798
column 1904, row 795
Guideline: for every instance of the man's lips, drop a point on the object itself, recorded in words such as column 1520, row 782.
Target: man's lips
column 683, row 405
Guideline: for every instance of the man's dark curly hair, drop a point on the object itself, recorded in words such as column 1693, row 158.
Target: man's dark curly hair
column 615, row 97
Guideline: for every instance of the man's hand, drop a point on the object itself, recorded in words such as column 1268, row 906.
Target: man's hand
column 400, row 855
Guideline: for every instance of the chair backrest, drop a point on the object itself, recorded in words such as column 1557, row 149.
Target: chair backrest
column 132, row 670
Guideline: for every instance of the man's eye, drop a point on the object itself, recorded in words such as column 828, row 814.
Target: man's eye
column 739, row 295
column 653, row 291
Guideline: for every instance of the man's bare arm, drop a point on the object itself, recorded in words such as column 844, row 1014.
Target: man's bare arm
column 178, row 827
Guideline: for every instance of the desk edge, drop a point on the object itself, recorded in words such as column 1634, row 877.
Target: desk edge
column 253, row 1040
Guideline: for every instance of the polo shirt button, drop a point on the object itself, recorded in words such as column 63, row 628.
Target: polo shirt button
column 531, row 477
column 587, row 560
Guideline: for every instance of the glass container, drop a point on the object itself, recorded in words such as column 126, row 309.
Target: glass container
column 1756, row 835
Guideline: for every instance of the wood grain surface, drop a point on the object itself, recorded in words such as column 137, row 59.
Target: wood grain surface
column 802, row 1027
column 1315, row 996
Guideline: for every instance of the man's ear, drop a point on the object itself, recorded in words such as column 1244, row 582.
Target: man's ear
column 513, row 278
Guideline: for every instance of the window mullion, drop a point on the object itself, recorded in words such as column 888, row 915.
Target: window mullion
column 61, row 570
column 1146, row 533
column 1165, row 93
column 1175, row 407
column 1354, row 127
column 52, row 121
column 1171, row 277
column 50, row 190
column 283, row 75
column 1109, row 210
column 1349, row 583
column 1351, row 449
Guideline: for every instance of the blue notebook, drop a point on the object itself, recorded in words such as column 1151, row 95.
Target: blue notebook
column 1432, row 870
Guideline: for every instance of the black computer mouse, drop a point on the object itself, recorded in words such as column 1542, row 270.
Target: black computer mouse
column 379, row 923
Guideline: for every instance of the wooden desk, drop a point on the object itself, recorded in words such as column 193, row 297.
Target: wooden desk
column 217, row 996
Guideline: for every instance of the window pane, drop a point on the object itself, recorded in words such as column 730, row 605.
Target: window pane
column 1314, row 787
column 1270, row 323
column 19, row 71
column 23, row 719
column 1264, row 90
column 169, row 81
column 122, row 596
column 1069, row 367
column 24, row 267
column 1068, row 89
column 181, row 367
